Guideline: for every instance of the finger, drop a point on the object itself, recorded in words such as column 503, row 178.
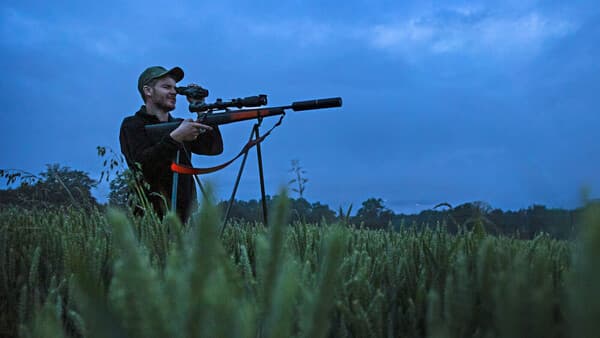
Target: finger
column 201, row 126
column 205, row 126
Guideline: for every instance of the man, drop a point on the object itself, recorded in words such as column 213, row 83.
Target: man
column 157, row 88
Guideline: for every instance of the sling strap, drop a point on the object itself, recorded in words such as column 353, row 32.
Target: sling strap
column 187, row 170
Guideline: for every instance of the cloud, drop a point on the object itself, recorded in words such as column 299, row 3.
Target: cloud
column 115, row 45
column 471, row 30
column 19, row 28
column 304, row 32
column 23, row 30
column 468, row 30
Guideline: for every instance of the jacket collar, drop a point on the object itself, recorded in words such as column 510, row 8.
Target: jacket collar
column 150, row 118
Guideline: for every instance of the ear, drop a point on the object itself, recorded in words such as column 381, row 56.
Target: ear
column 147, row 91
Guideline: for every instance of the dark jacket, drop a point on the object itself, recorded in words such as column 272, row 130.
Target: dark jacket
column 156, row 158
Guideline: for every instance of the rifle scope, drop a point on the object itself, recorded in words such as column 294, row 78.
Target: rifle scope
column 250, row 101
column 193, row 92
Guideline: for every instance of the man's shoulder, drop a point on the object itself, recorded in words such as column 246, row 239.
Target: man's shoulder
column 132, row 120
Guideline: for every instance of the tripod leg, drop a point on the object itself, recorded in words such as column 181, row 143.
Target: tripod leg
column 235, row 186
column 261, row 175
column 200, row 186
column 174, row 188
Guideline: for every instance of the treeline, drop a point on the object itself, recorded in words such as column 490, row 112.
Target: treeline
column 56, row 186
column 524, row 223
column 62, row 186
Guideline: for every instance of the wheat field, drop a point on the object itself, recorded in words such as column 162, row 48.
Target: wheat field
column 75, row 273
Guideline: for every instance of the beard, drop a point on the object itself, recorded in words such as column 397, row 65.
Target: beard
column 165, row 105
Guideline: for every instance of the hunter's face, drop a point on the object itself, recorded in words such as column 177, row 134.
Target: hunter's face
column 163, row 93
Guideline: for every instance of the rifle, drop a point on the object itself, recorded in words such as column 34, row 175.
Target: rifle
column 206, row 114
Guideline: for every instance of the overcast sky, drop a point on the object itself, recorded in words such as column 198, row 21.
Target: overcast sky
column 452, row 101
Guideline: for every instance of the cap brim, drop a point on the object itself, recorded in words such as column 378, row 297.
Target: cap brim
column 176, row 73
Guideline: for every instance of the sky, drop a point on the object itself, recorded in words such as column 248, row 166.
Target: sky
column 449, row 101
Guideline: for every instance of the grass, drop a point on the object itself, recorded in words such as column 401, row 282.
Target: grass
column 71, row 273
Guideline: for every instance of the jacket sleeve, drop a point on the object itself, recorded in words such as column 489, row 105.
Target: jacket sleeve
column 208, row 143
column 136, row 146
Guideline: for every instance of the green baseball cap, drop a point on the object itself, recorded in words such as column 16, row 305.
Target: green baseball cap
column 156, row 72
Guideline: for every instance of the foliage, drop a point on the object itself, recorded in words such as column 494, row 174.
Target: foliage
column 373, row 214
column 57, row 186
column 128, row 189
column 122, row 186
column 298, row 183
column 300, row 210
column 119, row 192
column 76, row 273
column 525, row 223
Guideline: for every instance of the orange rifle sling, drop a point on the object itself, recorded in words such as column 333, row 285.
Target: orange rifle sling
column 187, row 170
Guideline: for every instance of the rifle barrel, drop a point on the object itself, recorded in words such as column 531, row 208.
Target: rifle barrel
column 317, row 104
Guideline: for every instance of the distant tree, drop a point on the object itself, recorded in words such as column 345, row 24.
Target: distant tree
column 497, row 217
column 474, row 215
column 374, row 214
column 57, row 186
column 321, row 212
column 119, row 192
column 536, row 215
column 303, row 211
column 64, row 185
column 300, row 210
column 249, row 211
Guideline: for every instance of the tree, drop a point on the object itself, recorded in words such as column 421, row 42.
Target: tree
column 119, row 192
column 373, row 214
column 57, row 186
column 474, row 215
column 321, row 212
column 300, row 210
column 303, row 211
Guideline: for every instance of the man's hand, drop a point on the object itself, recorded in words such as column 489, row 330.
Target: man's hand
column 189, row 130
